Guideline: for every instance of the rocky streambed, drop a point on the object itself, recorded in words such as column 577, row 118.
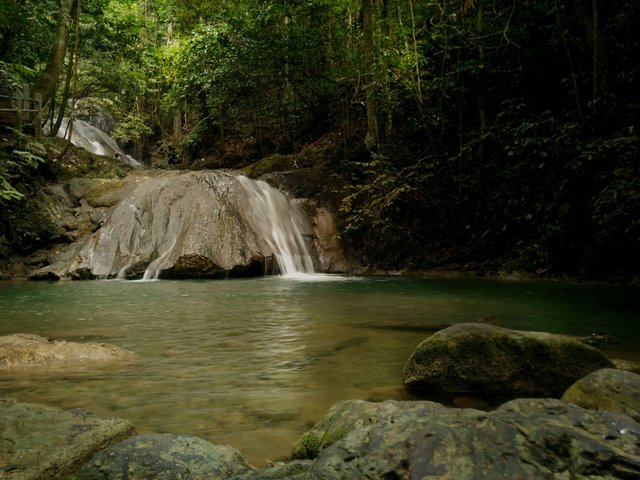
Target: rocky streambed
column 580, row 421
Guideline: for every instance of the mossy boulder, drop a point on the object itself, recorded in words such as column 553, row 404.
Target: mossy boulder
column 38, row 442
column 485, row 359
column 272, row 163
column 607, row 389
column 296, row 470
column 166, row 457
column 523, row 439
column 342, row 418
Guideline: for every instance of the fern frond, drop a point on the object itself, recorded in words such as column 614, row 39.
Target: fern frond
column 468, row 5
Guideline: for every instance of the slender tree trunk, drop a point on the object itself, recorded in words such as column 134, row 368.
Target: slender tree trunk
column 177, row 126
column 567, row 51
column 73, row 60
column 367, row 32
column 65, row 92
column 481, row 98
column 46, row 84
column 596, row 51
column 415, row 53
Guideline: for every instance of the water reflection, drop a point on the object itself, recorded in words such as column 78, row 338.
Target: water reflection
column 255, row 362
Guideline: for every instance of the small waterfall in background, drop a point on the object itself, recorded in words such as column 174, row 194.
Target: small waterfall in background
column 273, row 217
column 94, row 140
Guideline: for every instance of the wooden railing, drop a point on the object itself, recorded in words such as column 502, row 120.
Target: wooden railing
column 21, row 108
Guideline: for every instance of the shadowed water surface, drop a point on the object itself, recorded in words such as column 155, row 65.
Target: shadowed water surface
column 255, row 362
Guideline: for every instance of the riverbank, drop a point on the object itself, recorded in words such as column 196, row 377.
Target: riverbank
column 591, row 432
column 36, row 228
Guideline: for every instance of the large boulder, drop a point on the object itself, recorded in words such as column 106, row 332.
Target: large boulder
column 206, row 224
column 485, row 359
column 607, row 389
column 296, row 470
column 165, row 457
column 24, row 350
column 44, row 443
column 524, row 438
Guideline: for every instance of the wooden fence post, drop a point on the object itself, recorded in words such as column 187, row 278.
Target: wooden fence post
column 37, row 119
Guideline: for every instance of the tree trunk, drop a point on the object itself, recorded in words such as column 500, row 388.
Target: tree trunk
column 177, row 126
column 416, row 55
column 367, row 33
column 66, row 92
column 481, row 99
column 596, row 52
column 46, row 84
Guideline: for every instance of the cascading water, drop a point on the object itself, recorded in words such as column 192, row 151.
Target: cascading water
column 275, row 220
column 205, row 224
column 94, row 140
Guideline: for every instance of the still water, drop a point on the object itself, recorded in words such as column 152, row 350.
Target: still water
column 255, row 362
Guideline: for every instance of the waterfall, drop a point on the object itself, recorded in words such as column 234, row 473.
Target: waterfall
column 203, row 224
column 94, row 140
column 273, row 217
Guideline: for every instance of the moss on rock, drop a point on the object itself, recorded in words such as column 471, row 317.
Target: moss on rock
column 481, row 358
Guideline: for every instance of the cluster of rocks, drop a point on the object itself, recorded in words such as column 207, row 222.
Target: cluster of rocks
column 583, row 423
column 192, row 224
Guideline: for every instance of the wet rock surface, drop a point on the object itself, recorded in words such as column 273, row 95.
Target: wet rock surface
column 524, row 438
column 485, row 359
column 176, row 224
column 607, row 389
column 166, row 457
column 23, row 350
column 44, row 443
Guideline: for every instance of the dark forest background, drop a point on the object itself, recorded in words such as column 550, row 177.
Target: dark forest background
column 497, row 133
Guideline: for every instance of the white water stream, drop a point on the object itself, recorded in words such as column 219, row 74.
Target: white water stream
column 278, row 222
column 94, row 140
column 209, row 224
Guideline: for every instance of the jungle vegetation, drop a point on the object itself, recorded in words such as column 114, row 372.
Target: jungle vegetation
column 492, row 132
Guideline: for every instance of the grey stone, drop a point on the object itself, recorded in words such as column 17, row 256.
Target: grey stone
column 485, row 359
column 168, row 224
column 607, row 389
column 523, row 439
column 44, row 443
column 296, row 470
column 164, row 457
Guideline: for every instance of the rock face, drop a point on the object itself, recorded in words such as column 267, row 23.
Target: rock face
column 182, row 224
column 44, row 443
column 166, row 457
column 21, row 350
column 485, row 359
column 607, row 389
column 525, row 438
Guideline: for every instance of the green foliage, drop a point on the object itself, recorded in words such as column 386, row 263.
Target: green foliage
column 132, row 127
column 15, row 164
column 500, row 137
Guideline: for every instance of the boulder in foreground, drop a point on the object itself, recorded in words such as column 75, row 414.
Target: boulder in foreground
column 524, row 438
column 166, row 457
column 607, row 389
column 485, row 359
column 45, row 443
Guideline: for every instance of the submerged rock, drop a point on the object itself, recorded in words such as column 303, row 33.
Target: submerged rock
column 607, row 389
column 525, row 438
column 166, row 457
column 485, row 359
column 45, row 443
column 23, row 350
